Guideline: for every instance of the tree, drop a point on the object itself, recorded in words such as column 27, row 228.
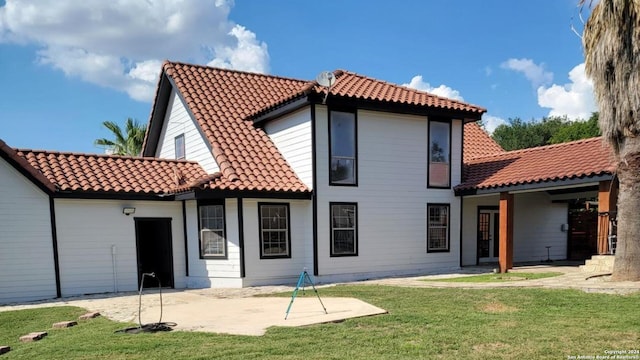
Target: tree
column 577, row 130
column 129, row 143
column 611, row 40
column 518, row 134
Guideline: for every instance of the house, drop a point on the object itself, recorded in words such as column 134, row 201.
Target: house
column 249, row 179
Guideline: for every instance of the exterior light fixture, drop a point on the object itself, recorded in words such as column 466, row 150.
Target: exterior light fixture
column 128, row 210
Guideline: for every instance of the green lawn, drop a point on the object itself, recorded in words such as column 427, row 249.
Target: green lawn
column 421, row 324
column 512, row 276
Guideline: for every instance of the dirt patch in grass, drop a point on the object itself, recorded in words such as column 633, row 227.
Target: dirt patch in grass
column 490, row 346
column 497, row 307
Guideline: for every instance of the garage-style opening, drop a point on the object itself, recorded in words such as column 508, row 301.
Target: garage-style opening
column 155, row 253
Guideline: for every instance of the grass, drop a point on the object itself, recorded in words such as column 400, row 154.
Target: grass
column 421, row 324
column 512, row 276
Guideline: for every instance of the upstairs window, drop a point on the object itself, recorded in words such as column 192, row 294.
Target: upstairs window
column 343, row 148
column 212, row 235
column 344, row 227
column 179, row 146
column 439, row 154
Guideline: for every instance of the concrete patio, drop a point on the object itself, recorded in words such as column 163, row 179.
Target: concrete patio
column 240, row 311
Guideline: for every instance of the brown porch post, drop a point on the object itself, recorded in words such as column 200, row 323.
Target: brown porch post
column 506, row 232
column 607, row 196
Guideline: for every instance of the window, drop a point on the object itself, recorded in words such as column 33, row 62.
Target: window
column 437, row 227
column 439, row 154
column 212, row 231
column 343, row 148
column 179, row 146
column 275, row 240
column 344, row 224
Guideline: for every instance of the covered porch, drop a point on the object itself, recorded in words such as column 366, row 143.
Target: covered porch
column 549, row 203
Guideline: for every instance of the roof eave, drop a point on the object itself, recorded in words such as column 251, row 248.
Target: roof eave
column 158, row 113
column 398, row 107
column 297, row 102
column 534, row 186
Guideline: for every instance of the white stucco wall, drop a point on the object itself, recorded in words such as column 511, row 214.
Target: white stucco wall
column 392, row 197
column 26, row 245
column 87, row 230
column 178, row 121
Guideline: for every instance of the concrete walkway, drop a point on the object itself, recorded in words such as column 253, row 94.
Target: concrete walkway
column 572, row 278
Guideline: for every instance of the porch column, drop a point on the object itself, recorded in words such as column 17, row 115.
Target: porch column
column 506, row 232
column 607, row 198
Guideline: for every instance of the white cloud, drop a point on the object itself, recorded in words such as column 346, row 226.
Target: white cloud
column 574, row 99
column 419, row 84
column 121, row 43
column 492, row 122
column 533, row 72
column 249, row 54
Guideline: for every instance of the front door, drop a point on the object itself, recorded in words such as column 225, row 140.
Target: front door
column 488, row 235
column 155, row 254
column 583, row 233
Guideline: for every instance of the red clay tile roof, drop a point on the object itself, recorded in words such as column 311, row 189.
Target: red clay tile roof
column 221, row 101
column 89, row 173
column 576, row 159
column 477, row 143
column 352, row 85
column 224, row 102
column 21, row 164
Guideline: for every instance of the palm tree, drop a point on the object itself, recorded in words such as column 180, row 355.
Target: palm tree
column 611, row 42
column 129, row 143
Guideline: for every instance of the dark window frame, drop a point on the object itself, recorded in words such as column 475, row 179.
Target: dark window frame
column 202, row 203
column 448, row 247
column 183, row 148
column 448, row 122
column 260, row 233
column 355, row 131
column 355, row 230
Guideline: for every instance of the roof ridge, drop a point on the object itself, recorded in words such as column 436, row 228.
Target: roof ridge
column 410, row 89
column 169, row 63
column 111, row 156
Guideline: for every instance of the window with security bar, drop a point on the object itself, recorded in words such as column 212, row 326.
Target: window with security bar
column 438, row 227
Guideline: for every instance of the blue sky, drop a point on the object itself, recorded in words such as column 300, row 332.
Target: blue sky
column 67, row 66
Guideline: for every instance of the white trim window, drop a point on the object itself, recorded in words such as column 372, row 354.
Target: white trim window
column 438, row 227
column 275, row 235
column 212, row 231
column 344, row 225
column 178, row 143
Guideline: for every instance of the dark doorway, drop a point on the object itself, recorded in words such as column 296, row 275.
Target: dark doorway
column 155, row 254
column 583, row 231
column 488, row 234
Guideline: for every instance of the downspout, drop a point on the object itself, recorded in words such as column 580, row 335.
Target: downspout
column 186, row 242
column 54, row 239
column 314, row 194
column 115, row 268
column 241, row 237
